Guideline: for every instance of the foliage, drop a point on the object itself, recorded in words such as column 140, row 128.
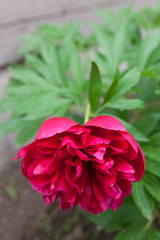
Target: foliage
column 123, row 80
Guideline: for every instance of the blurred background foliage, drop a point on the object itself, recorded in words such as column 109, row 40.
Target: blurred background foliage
column 114, row 70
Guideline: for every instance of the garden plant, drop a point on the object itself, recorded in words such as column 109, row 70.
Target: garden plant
column 93, row 103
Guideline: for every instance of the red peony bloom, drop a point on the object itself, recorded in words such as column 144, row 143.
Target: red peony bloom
column 93, row 165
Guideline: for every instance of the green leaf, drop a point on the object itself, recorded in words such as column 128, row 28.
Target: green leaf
column 112, row 45
column 10, row 189
column 152, row 153
column 139, row 136
column 115, row 220
column 154, row 56
column 110, row 92
column 154, row 234
column 143, row 200
column 30, row 43
column 94, row 87
column 27, row 76
column 119, row 42
column 50, row 31
column 45, row 110
column 144, row 124
column 52, row 58
column 25, row 89
column 28, row 130
column 76, row 68
column 152, row 185
column 134, row 232
column 155, row 139
column 10, row 125
column 157, row 91
column 36, row 105
column 106, row 14
column 127, row 104
column 153, row 71
column 147, row 88
column 60, row 112
column 40, row 67
column 132, row 130
column 106, row 42
column 148, row 45
column 153, row 167
column 127, row 81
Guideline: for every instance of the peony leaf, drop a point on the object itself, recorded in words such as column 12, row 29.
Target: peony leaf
column 51, row 57
column 10, row 125
column 126, row 82
column 28, row 130
column 152, row 153
column 148, row 45
column 94, row 87
column 152, row 185
column 154, row 234
column 127, row 104
column 143, row 200
column 27, row 76
column 144, row 124
column 139, row 136
column 158, row 91
column 155, row 139
column 134, row 232
column 35, row 63
column 114, row 221
column 153, row 167
column 112, row 45
column 110, row 92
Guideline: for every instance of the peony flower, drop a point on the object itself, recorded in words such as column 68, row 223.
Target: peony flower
column 92, row 165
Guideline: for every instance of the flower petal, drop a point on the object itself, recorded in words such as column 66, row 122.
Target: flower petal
column 106, row 122
column 139, row 165
column 53, row 126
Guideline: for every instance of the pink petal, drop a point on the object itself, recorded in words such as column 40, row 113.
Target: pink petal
column 67, row 200
column 106, row 122
column 40, row 180
column 78, row 130
column 50, row 199
column 123, row 166
column 139, row 165
column 39, row 166
column 71, row 141
column 103, row 167
column 107, row 179
column 73, row 169
column 53, row 180
column 97, row 152
column 92, row 140
column 114, row 191
column 128, row 176
column 131, row 140
column 23, row 151
column 85, row 196
column 53, row 126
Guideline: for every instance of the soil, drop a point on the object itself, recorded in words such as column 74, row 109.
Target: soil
column 24, row 215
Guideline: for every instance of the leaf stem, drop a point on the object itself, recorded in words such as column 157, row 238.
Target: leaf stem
column 87, row 112
column 149, row 223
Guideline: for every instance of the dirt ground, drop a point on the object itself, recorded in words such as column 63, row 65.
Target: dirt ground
column 24, row 215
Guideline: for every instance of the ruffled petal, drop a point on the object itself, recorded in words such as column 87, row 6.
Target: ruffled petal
column 106, row 122
column 139, row 165
column 53, row 126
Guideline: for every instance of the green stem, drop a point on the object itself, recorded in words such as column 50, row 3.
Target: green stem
column 87, row 112
column 149, row 223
